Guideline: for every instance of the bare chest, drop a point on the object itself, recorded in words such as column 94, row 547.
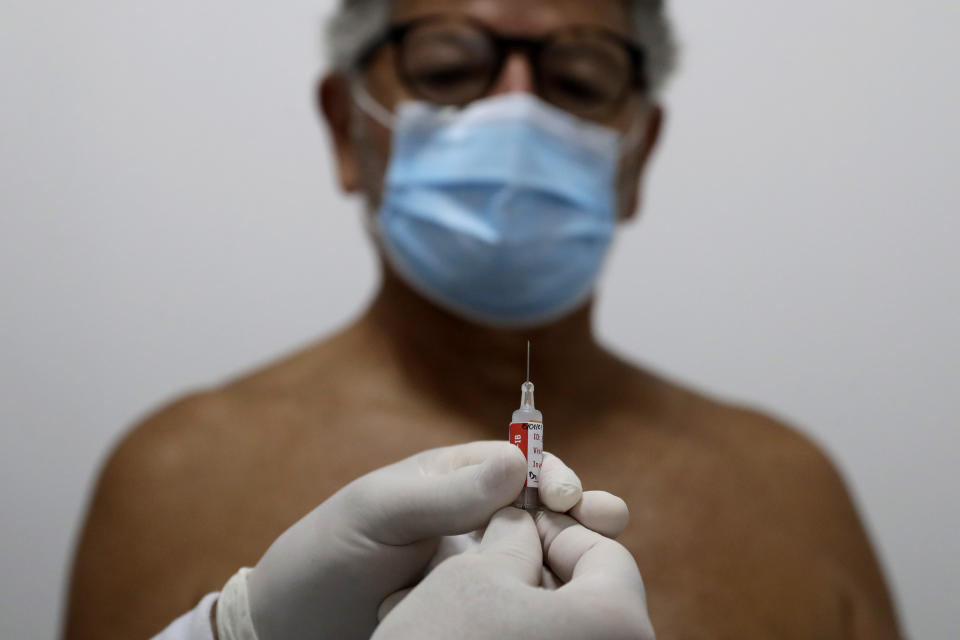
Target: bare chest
column 713, row 565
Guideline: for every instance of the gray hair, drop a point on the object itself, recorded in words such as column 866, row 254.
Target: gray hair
column 357, row 23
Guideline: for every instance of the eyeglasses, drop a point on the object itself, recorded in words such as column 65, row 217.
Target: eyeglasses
column 588, row 71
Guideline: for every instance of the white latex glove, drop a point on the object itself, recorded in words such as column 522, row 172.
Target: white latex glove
column 328, row 574
column 492, row 591
column 560, row 491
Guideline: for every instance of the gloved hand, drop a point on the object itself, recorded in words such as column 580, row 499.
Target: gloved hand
column 492, row 591
column 328, row 574
column 561, row 492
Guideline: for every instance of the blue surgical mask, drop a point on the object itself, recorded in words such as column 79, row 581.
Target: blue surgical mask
column 501, row 212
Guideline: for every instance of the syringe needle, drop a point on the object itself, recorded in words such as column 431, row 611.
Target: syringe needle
column 528, row 361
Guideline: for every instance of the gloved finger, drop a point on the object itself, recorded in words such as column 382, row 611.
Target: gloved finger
column 390, row 602
column 576, row 554
column 512, row 545
column 602, row 512
column 549, row 580
column 410, row 505
column 447, row 459
column 560, row 488
column 450, row 546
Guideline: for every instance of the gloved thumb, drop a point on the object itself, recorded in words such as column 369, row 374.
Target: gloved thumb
column 443, row 492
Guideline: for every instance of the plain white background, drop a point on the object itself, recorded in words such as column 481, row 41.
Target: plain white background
column 169, row 219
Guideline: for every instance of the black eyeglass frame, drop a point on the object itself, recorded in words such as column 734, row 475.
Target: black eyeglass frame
column 503, row 46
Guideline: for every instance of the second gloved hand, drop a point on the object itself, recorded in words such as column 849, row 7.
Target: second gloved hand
column 493, row 590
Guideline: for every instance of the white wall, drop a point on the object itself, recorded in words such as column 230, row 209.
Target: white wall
column 167, row 217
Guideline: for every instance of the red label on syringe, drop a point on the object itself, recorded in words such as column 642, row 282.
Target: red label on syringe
column 529, row 437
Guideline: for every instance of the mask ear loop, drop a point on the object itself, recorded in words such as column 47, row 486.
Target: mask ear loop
column 634, row 137
column 370, row 106
column 630, row 142
column 383, row 116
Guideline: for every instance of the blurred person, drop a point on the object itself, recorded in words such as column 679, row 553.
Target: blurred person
column 497, row 145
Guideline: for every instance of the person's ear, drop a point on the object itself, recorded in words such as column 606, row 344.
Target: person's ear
column 636, row 163
column 334, row 102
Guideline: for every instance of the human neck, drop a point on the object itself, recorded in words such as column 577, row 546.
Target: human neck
column 463, row 365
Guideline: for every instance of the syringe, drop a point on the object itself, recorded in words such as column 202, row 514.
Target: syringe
column 526, row 432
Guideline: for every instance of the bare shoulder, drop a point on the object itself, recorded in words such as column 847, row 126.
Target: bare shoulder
column 768, row 445
column 150, row 545
column 794, row 468
column 179, row 435
column 178, row 453
column 810, row 492
column 184, row 499
column 794, row 486
column 751, row 441
column 192, row 493
column 176, row 446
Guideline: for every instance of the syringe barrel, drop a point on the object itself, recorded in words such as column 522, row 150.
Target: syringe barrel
column 526, row 432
